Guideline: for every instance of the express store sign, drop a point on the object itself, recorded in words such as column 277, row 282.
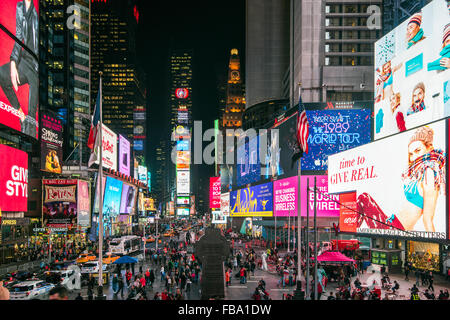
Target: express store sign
column 13, row 179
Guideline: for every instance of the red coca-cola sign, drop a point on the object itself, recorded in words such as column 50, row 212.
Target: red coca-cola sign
column 348, row 219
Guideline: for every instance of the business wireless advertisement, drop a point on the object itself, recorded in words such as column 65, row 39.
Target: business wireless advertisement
column 400, row 183
column 412, row 74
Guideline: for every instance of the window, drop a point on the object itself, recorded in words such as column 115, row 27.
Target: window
column 349, row 61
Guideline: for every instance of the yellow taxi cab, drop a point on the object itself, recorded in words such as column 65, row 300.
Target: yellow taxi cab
column 110, row 258
column 86, row 257
column 150, row 239
column 169, row 233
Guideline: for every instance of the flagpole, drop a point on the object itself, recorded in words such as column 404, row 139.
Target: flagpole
column 100, row 197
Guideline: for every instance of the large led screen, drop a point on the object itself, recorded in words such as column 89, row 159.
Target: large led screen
column 214, row 192
column 59, row 207
column 183, row 182
column 112, row 198
column 400, row 183
column 333, row 131
column 13, row 179
column 19, row 70
column 412, row 72
column 248, row 164
column 84, row 204
column 124, row 155
column 256, row 201
column 128, row 199
column 51, row 144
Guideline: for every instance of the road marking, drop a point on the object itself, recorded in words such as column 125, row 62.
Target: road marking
column 242, row 287
column 252, row 281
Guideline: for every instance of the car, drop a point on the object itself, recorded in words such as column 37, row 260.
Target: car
column 110, row 258
column 31, row 289
column 61, row 277
column 86, row 257
column 92, row 267
column 22, row 275
column 150, row 239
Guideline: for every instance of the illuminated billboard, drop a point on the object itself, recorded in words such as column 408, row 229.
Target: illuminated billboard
column 109, row 148
column 19, row 69
column 218, row 217
column 183, row 145
column 112, row 198
column 128, row 199
column 225, row 203
column 412, row 72
column 214, row 192
column 51, row 144
column 13, row 179
column 183, row 211
column 59, row 203
column 285, row 199
column 183, row 201
column 124, row 155
column 183, row 182
column 183, row 159
column 400, row 183
column 84, row 204
column 248, row 165
column 256, row 201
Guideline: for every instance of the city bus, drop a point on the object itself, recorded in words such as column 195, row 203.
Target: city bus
column 125, row 245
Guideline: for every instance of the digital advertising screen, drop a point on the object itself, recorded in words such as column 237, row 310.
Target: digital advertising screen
column 13, row 179
column 112, row 198
column 399, row 180
column 248, row 164
column 142, row 174
column 225, row 203
column 192, row 210
column 183, row 211
column 183, row 182
column 51, row 144
column 227, row 177
column 183, row 201
column 214, row 192
column 59, row 203
column 256, row 201
column 183, row 159
column 124, row 155
column 128, row 199
column 183, row 145
column 19, row 70
column 218, row 217
column 327, row 205
column 84, row 204
column 109, row 144
column 333, row 131
column 412, row 72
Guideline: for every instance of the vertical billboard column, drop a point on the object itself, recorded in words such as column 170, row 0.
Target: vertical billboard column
column 124, row 156
column 214, row 192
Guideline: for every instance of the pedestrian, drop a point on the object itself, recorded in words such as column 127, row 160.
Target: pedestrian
column 406, row 272
column 417, row 274
column 151, row 277
column 115, row 284
column 120, row 283
column 147, row 276
column 430, row 281
column 423, row 277
column 331, row 296
column 227, row 278
column 79, row 297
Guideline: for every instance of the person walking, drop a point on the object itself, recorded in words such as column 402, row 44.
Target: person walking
column 430, row 281
column 120, row 284
column 151, row 278
column 406, row 272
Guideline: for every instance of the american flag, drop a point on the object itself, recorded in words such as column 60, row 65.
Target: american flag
column 94, row 137
column 302, row 128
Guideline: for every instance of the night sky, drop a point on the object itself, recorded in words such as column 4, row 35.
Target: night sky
column 211, row 29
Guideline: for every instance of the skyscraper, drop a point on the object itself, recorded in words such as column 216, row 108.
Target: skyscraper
column 333, row 50
column 114, row 25
column 267, row 49
column 64, row 71
column 235, row 101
